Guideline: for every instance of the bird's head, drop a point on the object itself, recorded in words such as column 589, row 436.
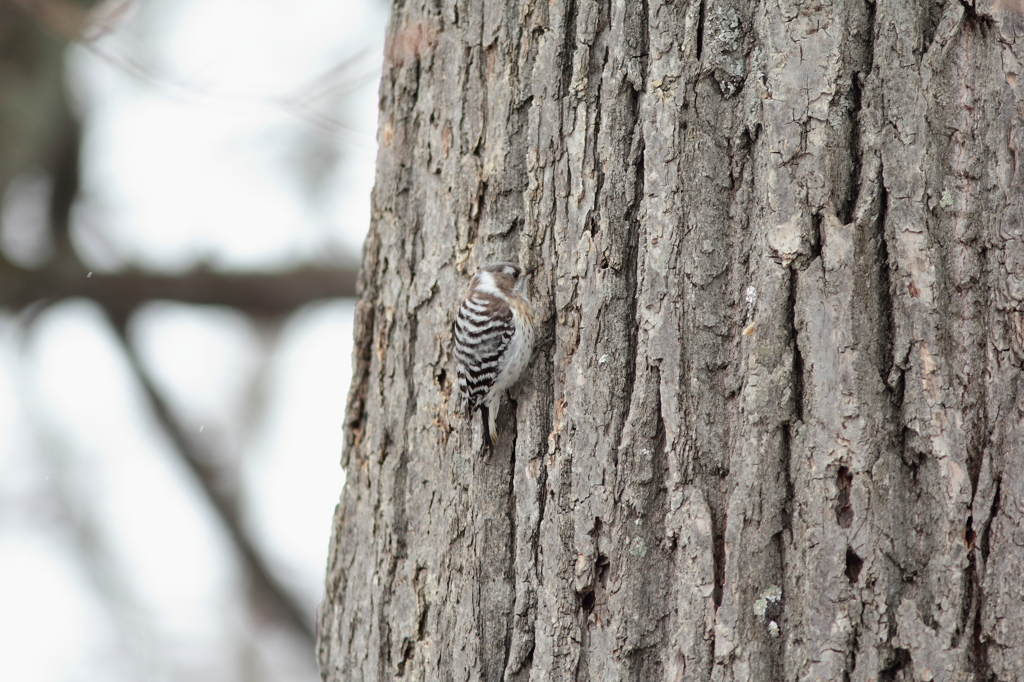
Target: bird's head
column 501, row 276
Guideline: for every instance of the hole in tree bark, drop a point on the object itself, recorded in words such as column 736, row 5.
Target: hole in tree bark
column 853, row 565
column 986, row 535
column 603, row 564
column 700, row 31
column 844, row 509
column 407, row 654
column 983, row 23
column 718, row 559
column 900, row 660
column 597, row 590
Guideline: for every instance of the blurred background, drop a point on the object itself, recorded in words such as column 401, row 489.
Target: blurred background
column 185, row 188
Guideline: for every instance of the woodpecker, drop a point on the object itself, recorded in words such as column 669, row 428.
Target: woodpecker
column 493, row 341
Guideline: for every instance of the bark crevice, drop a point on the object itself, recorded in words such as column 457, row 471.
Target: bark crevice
column 700, row 31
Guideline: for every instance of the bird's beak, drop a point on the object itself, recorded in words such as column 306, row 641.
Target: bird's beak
column 530, row 271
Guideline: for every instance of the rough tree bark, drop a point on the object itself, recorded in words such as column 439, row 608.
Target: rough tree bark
column 775, row 431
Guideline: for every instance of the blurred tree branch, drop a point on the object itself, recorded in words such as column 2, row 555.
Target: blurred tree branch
column 267, row 590
column 271, row 294
column 38, row 132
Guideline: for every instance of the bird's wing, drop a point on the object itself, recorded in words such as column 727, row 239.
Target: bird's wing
column 484, row 328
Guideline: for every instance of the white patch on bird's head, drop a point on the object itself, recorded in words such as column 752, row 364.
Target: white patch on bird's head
column 497, row 278
column 500, row 278
column 484, row 283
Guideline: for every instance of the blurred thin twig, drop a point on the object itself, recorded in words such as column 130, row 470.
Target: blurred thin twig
column 265, row 584
column 77, row 23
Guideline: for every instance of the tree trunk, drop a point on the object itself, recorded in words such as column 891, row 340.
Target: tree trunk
column 773, row 427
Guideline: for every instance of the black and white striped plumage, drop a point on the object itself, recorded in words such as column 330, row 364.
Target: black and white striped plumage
column 493, row 341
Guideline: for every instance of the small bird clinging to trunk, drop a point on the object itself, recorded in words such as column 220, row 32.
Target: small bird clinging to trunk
column 493, row 341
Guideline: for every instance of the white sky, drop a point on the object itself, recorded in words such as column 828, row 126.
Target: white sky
column 196, row 157
column 199, row 155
